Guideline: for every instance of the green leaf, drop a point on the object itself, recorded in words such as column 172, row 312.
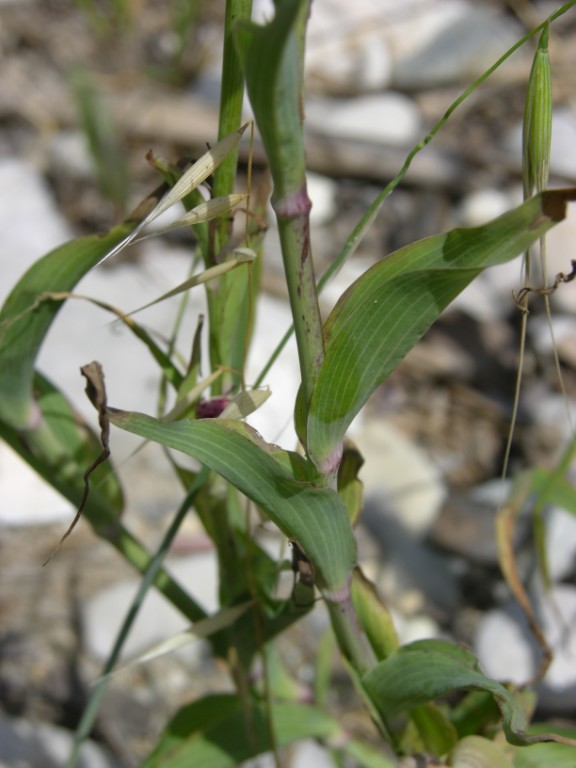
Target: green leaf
column 350, row 487
column 222, row 619
column 548, row 755
column 373, row 616
column 190, row 179
column 220, row 731
column 212, row 273
column 478, row 752
column 270, row 58
column 60, row 448
column 366, row 755
column 537, row 126
column 431, row 730
column 315, row 517
column 25, row 320
column 422, row 671
column 387, row 310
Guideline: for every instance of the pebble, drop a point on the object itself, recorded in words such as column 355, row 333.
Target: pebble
column 554, row 414
column 347, row 50
column 322, row 192
column 157, row 619
column 399, row 475
column 457, row 43
column 26, row 744
column 308, row 753
column 562, row 336
column 467, row 527
column 25, row 499
column 274, row 420
column 489, row 296
column 408, row 573
column 507, row 650
column 560, row 543
column 481, row 206
column 386, row 118
column 70, row 155
column 30, row 223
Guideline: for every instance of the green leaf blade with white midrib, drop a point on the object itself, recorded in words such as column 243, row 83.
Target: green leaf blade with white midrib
column 386, row 311
column 315, row 517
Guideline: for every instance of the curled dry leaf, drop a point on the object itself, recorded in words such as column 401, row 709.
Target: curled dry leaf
column 96, row 391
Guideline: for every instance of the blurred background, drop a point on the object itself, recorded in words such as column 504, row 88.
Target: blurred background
column 87, row 88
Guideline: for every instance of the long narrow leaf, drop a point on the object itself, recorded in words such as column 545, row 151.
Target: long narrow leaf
column 189, row 180
column 212, row 273
column 24, row 321
column 315, row 517
column 387, row 310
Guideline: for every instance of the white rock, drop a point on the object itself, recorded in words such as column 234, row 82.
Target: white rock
column 563, row 331
column 492, row 493
column 347, row 47
column 157, row 619
column 347, row 50
column 387, row 118
column 350, row 272
column 27, row 744
column 481, row 206
column 25, row 498
column 508, row 652
column 552, row 411
column 322, row 192
column 402, row 474
column 419, row 627
column 562, row 160
column 455, row 42
column 274, row 420
column 560, row 543
column 489, row 295
column 70, row 154
column 29, row 221
column 503, row 648
column 310, row 753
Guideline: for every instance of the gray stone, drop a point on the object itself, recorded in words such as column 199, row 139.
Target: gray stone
column 407, row 571
column 26, row 744
column 560, row 543
column 400, row 474
column 157, row 619
column 387, row 118
column 509, row 652
column 25, row 498
column 468, row 41
column 274, row 420
column 481, row 206
column 29, row 221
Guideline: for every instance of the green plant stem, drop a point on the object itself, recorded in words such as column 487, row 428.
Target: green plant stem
column 351, row 639
column 218, row 296
column 368, row 217
column 294, row 232
column 231, row 99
